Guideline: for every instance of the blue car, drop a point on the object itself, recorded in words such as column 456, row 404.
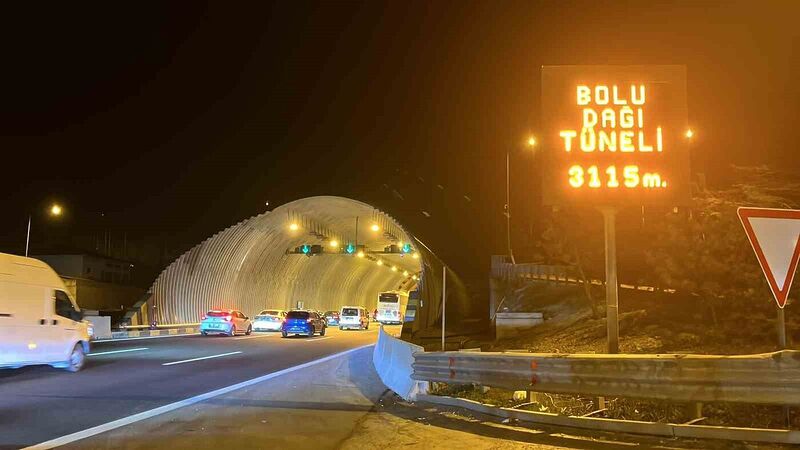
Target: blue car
column 303, row 322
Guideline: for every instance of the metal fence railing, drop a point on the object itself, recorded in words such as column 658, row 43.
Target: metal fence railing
column 770, row 378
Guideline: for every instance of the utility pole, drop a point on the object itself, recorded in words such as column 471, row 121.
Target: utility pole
column 444, row 303
column 508, row 206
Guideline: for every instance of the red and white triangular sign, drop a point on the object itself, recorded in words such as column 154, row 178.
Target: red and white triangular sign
column 774, row 235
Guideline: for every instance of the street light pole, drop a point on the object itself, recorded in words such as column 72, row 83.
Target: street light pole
column 28, row 236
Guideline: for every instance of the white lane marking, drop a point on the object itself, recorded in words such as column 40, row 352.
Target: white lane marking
column 108, row 426
column 119, row 351
column 101, row 341
column 256, row 337
column 200, row 358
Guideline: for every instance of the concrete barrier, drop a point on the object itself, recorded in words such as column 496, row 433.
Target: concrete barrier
column 133, row 334
column 101, row 326
column 392, row 359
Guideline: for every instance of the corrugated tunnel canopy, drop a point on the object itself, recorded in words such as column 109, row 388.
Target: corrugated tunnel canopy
column 247, row 267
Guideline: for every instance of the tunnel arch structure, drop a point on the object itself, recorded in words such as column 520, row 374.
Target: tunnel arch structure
column 250, row 266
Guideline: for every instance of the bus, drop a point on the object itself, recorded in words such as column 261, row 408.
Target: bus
column 391, row 307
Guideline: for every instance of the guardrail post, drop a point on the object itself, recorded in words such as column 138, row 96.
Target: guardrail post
column 698, row 410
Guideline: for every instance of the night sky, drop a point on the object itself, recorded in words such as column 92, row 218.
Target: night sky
column 177, row 120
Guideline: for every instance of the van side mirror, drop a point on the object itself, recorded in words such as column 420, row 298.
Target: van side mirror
column 77, row 316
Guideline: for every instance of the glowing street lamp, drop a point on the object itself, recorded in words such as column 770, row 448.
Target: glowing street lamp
column 375, row 227
column 334, row 243
column 689, row 133
column 531, row 141
column 294, row 226
column 55, row 210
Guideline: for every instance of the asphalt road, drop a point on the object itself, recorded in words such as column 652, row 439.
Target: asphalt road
column 127, row 377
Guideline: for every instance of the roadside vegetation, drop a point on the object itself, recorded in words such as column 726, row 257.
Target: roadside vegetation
column 715, row 299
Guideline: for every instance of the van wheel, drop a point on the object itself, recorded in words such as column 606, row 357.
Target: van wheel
column 249, row 331
column 76, row 359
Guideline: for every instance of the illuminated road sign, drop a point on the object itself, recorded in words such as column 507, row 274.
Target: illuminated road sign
column 615, row 135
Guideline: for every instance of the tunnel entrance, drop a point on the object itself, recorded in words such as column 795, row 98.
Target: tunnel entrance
column 326, row 252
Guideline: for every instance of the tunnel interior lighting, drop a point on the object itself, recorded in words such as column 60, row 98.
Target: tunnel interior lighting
column 415, row 255
column 55, row 210
column 334, row 243
column 375, row 227
column 360, row 254
column 380, row 262
column 405, row 273
column 394, row 268
column 294, row 226
column 414, row 277
column 689, row 133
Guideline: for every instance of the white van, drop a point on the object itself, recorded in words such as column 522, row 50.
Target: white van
column 40, row 323
column 353, row 317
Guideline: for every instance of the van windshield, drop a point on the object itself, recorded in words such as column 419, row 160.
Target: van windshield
column 350, row 311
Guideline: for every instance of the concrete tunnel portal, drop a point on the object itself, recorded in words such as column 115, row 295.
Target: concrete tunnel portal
column 250, row 266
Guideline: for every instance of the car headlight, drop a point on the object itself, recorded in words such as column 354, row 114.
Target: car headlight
column 90, row 329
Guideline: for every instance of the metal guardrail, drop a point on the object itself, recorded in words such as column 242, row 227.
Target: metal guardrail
column 769, row 378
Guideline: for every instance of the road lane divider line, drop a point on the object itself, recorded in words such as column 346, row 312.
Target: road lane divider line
column 200, row 358
column 119, row 351
column 315, row 340
column 114, row 424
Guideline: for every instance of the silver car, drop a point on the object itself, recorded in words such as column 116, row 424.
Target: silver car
column 225, row 321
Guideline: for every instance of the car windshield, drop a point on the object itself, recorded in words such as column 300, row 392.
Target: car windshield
column 297, row 315
column 270, row 312
column 218, row 313
column 350, row 311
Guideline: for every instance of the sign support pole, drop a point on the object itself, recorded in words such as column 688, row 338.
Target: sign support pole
column 781, row 326
column 444, row 300
column 612, row 299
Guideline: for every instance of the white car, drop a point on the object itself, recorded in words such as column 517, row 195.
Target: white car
column 269, row 320
column 40, row 323
column 225, row 321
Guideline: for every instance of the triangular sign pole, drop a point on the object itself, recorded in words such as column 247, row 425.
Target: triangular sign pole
column 774, row 235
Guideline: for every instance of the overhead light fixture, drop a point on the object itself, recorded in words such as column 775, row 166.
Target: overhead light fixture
column 294, row 226
column 360, row 254
column 380, row 263
column 394, row 268
column 375, row 227
column 334, row 243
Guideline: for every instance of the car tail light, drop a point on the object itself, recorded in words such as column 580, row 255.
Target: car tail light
column 203, row 317
column 227, row 318
column 309, row 320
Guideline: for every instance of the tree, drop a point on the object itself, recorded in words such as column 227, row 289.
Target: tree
column 704, row 252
